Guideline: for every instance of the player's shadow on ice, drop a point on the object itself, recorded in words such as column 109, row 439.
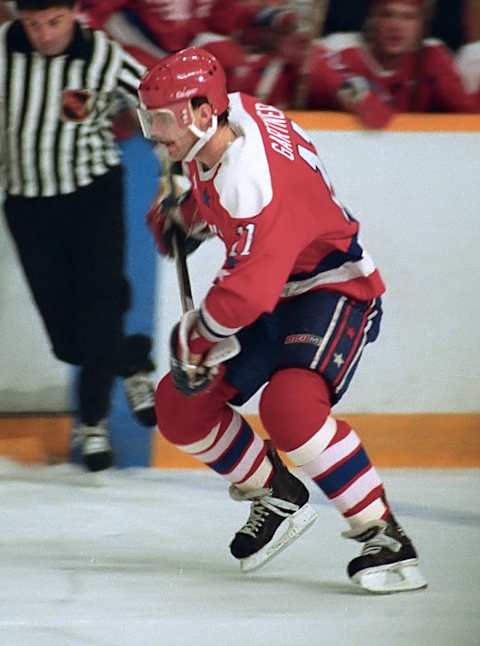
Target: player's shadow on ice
column 194, row 568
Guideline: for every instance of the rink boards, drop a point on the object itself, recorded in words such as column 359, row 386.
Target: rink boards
column 415, row 398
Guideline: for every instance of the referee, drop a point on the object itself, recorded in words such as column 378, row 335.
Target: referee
column 59, row 84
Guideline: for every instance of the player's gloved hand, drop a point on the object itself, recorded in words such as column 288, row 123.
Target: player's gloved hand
column 194, row 371
column 166, row 225
column 165, row 218
column 356, row 96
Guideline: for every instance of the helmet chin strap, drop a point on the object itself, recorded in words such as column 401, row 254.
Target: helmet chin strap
column 203, row 138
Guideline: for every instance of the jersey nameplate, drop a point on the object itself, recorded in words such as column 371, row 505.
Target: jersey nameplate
column 276, row 126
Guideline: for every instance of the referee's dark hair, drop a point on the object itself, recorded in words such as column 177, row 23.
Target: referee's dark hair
column 40, row 5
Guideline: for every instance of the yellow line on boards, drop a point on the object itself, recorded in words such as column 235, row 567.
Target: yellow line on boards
column 426, row 440
column 400, row 123
column 410, row 440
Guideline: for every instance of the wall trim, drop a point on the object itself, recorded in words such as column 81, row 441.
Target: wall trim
column 426, row 440
column 399, row 123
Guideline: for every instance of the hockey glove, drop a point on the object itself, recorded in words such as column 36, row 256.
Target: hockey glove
column 193, row 374
column 169, row 214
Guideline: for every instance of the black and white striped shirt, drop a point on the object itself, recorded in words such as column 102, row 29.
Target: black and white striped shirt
column 55, row 112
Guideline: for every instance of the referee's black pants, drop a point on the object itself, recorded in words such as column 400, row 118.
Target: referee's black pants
column 71, row 248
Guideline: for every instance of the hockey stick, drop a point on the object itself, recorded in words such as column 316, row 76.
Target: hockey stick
column 183, row 277
column 318, row 15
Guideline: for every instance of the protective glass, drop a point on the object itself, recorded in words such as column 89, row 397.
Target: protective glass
column 165, row 123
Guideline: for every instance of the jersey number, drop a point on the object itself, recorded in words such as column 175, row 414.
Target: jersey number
column 243, row 245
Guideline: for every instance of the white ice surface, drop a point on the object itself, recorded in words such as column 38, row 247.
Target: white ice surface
column 141, row 558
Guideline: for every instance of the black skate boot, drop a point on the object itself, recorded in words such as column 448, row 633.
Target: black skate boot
column 388, row 562
column 279, row 514
column 97, row 453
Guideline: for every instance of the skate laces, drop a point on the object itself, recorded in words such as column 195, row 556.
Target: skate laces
column 379, row 542
column 139, row 391
column 373, row 535
column 263, row 503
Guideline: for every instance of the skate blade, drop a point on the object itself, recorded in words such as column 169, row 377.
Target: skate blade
column 399, row 577
column 292, row 528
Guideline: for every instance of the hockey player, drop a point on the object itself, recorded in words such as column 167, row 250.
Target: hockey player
column 411, row 73
column 293, row 307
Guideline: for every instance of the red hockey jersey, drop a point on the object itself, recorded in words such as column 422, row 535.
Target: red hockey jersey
column 284, row 230
column 426, row 80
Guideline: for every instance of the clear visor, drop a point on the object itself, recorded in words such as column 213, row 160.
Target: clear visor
column 165, row 123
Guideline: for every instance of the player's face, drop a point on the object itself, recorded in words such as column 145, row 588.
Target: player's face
column 165, row 130
column 397, row 28
column 50, row 31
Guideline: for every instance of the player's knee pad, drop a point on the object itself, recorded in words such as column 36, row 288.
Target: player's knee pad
column 186, row 419
column 294, row 406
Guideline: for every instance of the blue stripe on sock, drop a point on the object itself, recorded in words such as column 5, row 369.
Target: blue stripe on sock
column 344, row 474
column 232, row 456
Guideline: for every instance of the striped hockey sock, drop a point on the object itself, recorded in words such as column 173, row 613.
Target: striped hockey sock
column 337, row 462
column 233, row 450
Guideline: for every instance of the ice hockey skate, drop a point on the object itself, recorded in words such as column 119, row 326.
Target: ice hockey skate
column 141, row 396
column 137, row 370
column 279, row 514
column 95, row 445
column 388, row 562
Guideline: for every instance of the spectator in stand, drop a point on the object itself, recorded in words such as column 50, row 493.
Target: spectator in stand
column 468, row 56
column 284, row 68
column 454, row 23
column 409, row 73
column 5, row 13
column 151, row 30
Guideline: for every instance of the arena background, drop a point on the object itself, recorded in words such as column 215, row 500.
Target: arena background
column 415, row 399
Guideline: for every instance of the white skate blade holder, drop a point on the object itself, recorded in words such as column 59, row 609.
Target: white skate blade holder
column 287, row 532
column 387, row 579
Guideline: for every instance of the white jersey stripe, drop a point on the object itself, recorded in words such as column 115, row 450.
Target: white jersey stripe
column 210, row 329
column 348, row 271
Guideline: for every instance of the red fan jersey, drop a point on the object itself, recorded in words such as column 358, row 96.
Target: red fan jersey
column 284, row 230
column 173, row 24
column 426, row 80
